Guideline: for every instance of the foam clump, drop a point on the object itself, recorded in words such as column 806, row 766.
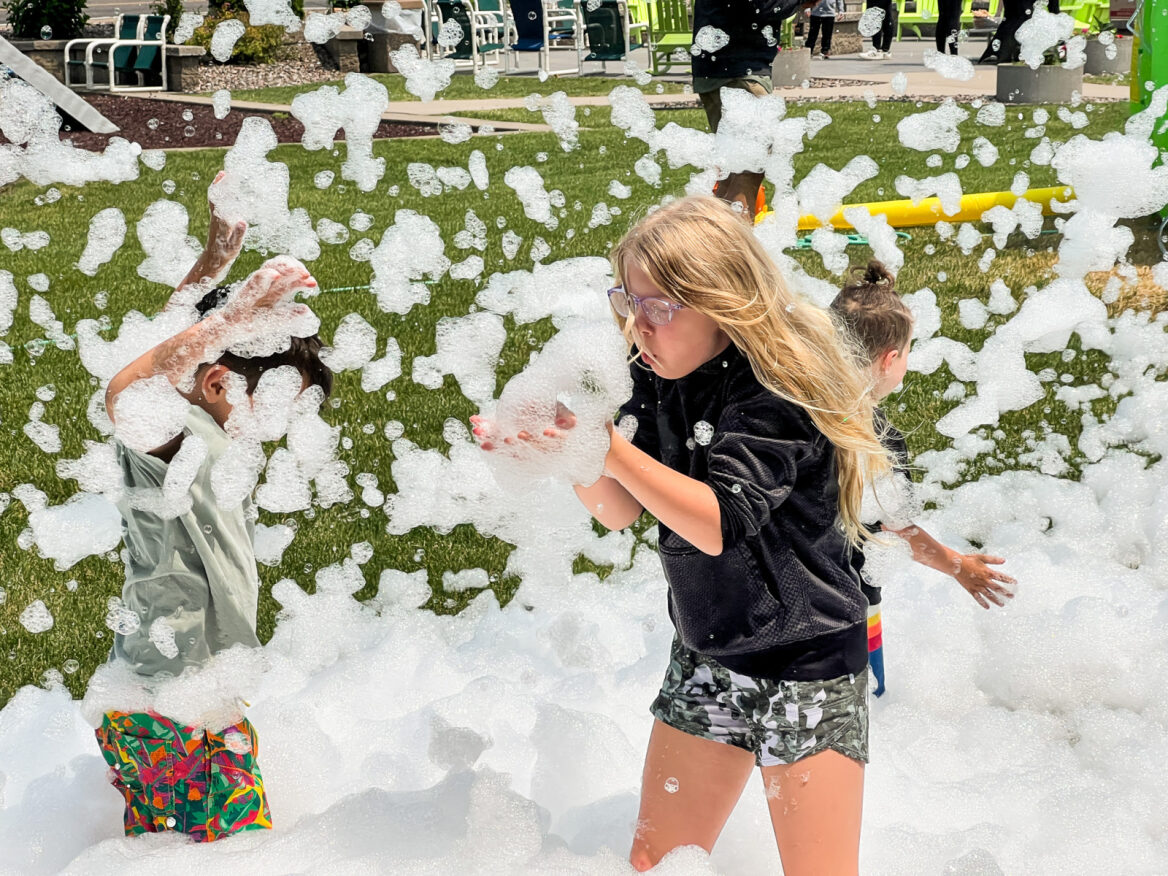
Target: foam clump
column 378, row 372
column 468, row 348
column 933, row 130
column 584, row 369
column 710, row 39
column 823, row 190
column 357, row 110
column 424, row 78
column 255, row 190
column 9, row 298
column 354, row 344
column 107, row 233
column 945, row 187
column 410, row 249
column 529, row 187
column 871, row 20
column 84, row 525
column 559, row 113
column 271, row 542
column 277, row 12
column 150, row 412
column 36, row 617
column 188, row 23
column 34, row 150
column 170, row 252
column 1040, row 32
column 949, row 66
column 227, row 33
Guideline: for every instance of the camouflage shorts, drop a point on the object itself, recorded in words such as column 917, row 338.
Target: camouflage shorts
column 780, row 722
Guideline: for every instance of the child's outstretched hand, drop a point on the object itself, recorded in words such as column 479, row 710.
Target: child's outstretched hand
column 224, row 238
column 263, row 306
column 984, row 584
column 487, row 433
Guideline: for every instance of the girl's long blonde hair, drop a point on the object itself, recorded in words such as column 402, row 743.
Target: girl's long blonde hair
column 704, row 257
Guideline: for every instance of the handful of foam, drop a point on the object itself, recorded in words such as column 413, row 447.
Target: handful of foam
column 585, row 369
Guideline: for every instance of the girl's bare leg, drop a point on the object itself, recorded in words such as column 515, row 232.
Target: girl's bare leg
column 816, row 806
column 688, row 790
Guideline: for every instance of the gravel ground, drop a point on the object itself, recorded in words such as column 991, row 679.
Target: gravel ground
column 303, row 62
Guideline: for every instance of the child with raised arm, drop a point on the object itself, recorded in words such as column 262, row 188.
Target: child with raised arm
column 753, row 439
column 882, row 324
column 191, row 578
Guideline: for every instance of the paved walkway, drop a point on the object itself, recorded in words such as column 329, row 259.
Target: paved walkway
column 861, row 79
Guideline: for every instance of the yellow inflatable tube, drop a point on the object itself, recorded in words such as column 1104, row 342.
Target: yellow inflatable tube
column 905, row 214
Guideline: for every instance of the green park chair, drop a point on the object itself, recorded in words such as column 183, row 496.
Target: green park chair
column 670, row 34
column 924, row 13
column 478, row 39
column 134, row 60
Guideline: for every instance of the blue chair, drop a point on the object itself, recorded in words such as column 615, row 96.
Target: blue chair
column 537, row 24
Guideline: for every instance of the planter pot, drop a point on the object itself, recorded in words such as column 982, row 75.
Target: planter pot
column 1098, row 62
column 1050, row 83
column 792, row 67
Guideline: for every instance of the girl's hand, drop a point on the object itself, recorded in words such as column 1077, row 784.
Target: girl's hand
column 984, row 584
column 486, row 432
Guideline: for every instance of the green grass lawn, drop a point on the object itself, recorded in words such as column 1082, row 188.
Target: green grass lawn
column 77, row 597
column 463, row 87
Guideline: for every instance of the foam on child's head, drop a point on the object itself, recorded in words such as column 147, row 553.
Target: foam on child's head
column 303, row 354
column 870, row 307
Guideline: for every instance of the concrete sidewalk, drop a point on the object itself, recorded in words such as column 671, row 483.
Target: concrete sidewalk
column 861, row 79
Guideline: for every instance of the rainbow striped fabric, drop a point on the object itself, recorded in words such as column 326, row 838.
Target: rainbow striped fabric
column 876, row 648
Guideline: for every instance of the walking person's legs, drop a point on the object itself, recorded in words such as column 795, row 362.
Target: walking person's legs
column 882, row 41
column 948, row 25
column 813, row 32
column 828, row 27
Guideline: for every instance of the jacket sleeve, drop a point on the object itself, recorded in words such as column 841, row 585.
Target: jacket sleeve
column 754, row 459
column 641, row 409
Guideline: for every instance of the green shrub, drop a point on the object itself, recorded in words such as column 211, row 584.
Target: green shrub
column 258, row 45
column 65, row 19
column 173, row 8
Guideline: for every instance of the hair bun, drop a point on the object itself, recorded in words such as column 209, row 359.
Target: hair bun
column 876, row 273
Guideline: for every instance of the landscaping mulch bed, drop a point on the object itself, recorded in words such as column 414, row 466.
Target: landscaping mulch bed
column 165, row 124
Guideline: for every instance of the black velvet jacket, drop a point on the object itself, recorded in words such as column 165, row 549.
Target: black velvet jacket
column 782, row 600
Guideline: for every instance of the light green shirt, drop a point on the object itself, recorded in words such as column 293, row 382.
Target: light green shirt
column 196, row 571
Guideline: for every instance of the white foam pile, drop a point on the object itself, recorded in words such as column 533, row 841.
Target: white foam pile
column 510, row 740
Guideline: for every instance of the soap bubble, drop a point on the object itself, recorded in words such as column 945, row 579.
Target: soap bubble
column 871, row 21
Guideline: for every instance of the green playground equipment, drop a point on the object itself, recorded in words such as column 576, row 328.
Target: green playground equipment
column 1149, row 23
column 1150, row 60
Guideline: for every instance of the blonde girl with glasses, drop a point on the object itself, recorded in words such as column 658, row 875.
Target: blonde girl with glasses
column 752, row 437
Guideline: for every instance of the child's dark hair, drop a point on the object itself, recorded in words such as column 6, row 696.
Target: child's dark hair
column 870, row 307
column 303, row 354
